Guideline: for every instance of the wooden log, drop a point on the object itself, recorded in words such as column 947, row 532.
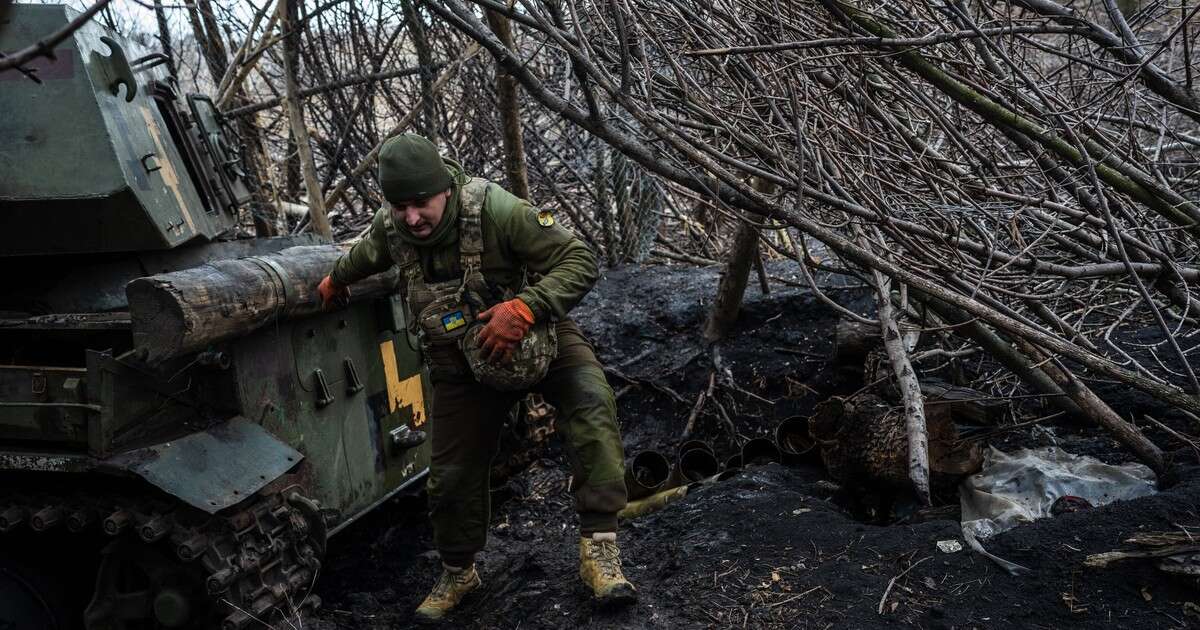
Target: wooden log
column 853, row 341
column 864, row 444
column 1102, row 560
column 184, row 311
column 965, row 404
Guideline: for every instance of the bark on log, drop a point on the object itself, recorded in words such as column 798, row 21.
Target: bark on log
column 863, row 442
column 910, row 390
column 184, row 311
column 852, row 341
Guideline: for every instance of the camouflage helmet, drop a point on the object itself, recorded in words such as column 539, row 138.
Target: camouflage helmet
column 529, row 362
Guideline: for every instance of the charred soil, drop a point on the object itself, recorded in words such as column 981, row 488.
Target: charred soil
column 773, row 546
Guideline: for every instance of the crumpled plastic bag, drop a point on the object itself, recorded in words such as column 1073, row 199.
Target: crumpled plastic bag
column 1017, row 488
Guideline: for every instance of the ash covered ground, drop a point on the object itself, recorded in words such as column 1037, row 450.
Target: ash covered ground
column 774, row 546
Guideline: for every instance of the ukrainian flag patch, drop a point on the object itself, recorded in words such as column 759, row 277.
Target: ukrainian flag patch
column 453, row 320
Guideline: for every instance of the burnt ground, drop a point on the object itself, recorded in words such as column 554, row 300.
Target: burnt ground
column 771, row 547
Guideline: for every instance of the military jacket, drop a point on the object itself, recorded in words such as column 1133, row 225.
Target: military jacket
column 517, row 239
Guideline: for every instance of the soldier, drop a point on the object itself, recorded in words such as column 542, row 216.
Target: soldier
column 466, row 248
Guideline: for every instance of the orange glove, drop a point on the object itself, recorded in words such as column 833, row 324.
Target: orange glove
column 333, row 295
column 507, row 323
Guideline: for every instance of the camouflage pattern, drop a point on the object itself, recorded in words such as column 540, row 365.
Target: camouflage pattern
column 516, row 245
column 445, row 311
column 528, row 365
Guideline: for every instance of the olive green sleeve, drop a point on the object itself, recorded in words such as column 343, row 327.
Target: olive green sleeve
column 369, row 256
column 566, row 266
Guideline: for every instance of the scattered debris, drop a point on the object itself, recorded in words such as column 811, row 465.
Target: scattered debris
column 949, row 546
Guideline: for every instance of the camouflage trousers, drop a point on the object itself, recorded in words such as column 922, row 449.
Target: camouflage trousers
column 467, row 418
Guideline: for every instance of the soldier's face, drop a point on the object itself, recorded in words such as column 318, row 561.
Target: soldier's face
column 421, row 215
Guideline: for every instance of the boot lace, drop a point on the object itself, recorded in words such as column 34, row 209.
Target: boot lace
column 446, row 583
column 607, row 557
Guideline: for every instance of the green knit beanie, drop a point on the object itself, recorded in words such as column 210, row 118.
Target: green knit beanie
column 411, row 168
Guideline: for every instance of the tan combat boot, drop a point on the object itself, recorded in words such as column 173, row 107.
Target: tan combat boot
column 600, row 568
column 451, row 587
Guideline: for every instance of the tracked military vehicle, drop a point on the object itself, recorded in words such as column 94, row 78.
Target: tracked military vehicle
column 181, row 427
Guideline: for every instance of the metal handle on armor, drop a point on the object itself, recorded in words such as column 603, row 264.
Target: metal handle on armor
column 324, row 396
column 114, row 69
column 405, row 438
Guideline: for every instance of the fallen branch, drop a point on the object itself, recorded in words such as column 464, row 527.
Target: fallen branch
column 45, row 47
column 892, row 582
column 910, row 391
column 704, row 395
column 1102, row 560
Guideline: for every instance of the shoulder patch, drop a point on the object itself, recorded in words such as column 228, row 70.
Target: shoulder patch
column 545, row 219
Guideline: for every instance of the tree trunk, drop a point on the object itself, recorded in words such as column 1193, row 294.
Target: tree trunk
column 510, row 113
column 430, row 124
column 164, row 35
column 295, row 109
column 208, row 38
column 184, row 311
column 734, row 277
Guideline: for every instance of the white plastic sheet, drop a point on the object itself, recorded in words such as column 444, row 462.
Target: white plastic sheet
column 1020, row 487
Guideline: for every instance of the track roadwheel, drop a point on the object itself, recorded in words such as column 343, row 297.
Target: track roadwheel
column 140, row 588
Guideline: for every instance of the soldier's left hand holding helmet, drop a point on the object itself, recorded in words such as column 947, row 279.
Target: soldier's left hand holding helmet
column 507, row 323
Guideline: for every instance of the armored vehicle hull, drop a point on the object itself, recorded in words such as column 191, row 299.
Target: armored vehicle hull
column 181, row 427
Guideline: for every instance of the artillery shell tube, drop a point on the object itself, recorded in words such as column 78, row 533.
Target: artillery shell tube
column 697, row 464
column 646, row 474
column 759, row 451
column 795, row 444
column 691, row 445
